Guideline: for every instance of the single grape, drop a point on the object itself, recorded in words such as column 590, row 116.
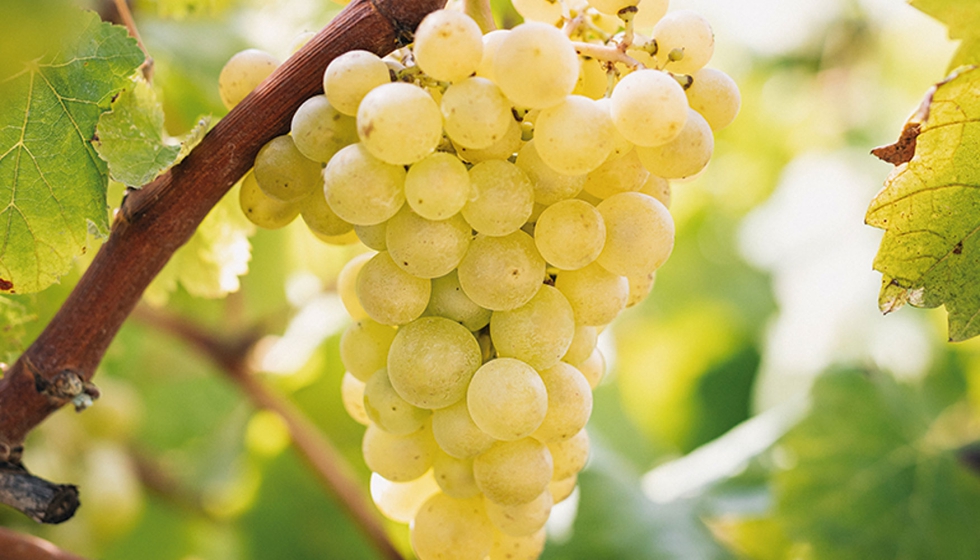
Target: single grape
column 399, row 458
column 491, row 41
column 320, row 218
column 593, row 368
column 431, row 361
column 352, row 395
column 455, row 476
column 284, row 173
column 582, row 344
column 545, row 11
column 639, row 234
column 501, row 198
column 592, row 79
column 507, row 399
column 500, row 150
column 388, row 294
column 569, row 403
column 364, row 348
column 263, row 210
column 549, row 185
column 347, row 286
column 400, row 501
column 448, row 45
column 715, row 95
column 648, row 14
column 535, row 65
column 574, row 136
column 438, row 186
column 619, row 175
column 570, row 234
column 450, row 529
column 426, row 248
column 538, row 332
column 648, row 107
column 562, row 489
column 658, row 188
column 688, row 32
column 640, row 287
column 514, row 472
column 350, row 76
column 450, row 301
column 242, row 73
column 475, row 113
column 506, row 547
column 596, row 294
column 362, row 189
column 374, row 236
column 501, row 273
column 399, row 123
column 320, row 131
column 388, row 410
column 456, row 432
column 569, row 455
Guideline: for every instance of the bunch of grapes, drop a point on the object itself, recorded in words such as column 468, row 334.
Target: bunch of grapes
column 514, row 187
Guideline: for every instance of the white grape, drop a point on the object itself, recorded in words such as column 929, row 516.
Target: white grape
column 400, row 501
column 399, row 458
column 399, row 123
column 388, row 294
column 549, row 185
column 263, row 210
column 569, row 403
column 596, row 294
column 715, row 96
column 538, row 333
column 438, row 186
column 449, row 529
column 570, row 234
column 449, row 300
column 507, row 399
column 523, row 519
column 448, row 45
column 284, row 173
column 364, row 348
column 574, row 136
column 456, row 432
column 685, row 155
column 689, row 33
column 320, row 131
column 475, row 113
column 501, row 198
column 536, row 65
column 388, row 410
column 350, row 76
column 639, row 234
column 501, row 273
column 431, row 361
column 514, row 472
column 545, row 11
column 426, row 248
column 648, row 107
column 362, row 189
column 242, row 73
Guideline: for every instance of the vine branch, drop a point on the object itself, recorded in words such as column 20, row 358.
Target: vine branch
column 156, row 220
column 18, row 546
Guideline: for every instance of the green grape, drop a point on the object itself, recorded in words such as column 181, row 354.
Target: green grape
column 242, row 73
column 320, row 131
column 549, row 185
column 501, row 273
column 506, row 547
column 352, row 395
column 639, row 234
column 569, row 455
column 501, row 198
column 438, row 186
column 426, row 248
column 621, row 146
column 507, row 399
column 399, row 123
column 448, row 45
column 596, row 294
column 569, row 403
column 715, row 96
column 592, row 79
column 400, row 501
column 448, row 300
column 431, row 361
column 574, row 136
column 689, row 32
column 263, row 210
column 658, row 188
column 611, row 7
column 364, row 348
column 350, row 76
column 536, row 65
column 491, row 42
column 388, row 294
column 593, row 368
column 373, row 236
column 545, row 11
column 475, row 113
column 640, row 287
column 348, row 238
column 650, row 12
column 320, row 218
column 619, row 175
column 582, row 344
column 457, row 434
column 455, row 476
column 347, row 286
column 562, row 489
column 538, row 333
column 362, row 189
column 648, row 107
column 514, row 472
column 450, row 529
column 399, row 458
column 284, row 173
column 500, row 150
column 388, row 410
column 685, row 155
column 570, row 234
column 523, row 519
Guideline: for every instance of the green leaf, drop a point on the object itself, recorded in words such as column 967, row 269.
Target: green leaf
column 210, row 263
column 179, row 9
column 13, row 316
column 131, row 137
column 930, row 211
column 877, row 474
column 962, row 17
column 52, row 182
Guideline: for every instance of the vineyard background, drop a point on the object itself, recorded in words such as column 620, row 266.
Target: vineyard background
column 710, row 440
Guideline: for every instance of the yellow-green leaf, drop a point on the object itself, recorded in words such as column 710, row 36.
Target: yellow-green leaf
column 131, row 137
column 930, row 211
column 52, row 182
column 962, row 17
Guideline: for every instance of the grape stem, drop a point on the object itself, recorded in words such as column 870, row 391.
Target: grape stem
column 606, row 53
column 156, row 220
column 481, row 13
column 230, row 354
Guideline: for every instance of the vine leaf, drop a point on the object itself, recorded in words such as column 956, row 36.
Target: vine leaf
column 930, row 211
column 131, row 137
column 52, row 182
column 962, row 18
column 878, row 473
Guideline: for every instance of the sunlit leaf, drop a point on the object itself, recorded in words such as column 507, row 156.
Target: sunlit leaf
column 877, row 474
column 13, row 316
column 930, row 211
column 52, row 182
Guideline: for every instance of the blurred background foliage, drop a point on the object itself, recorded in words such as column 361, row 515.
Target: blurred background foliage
column 756, row 406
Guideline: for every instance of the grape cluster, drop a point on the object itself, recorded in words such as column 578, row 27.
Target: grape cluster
column 514, row 187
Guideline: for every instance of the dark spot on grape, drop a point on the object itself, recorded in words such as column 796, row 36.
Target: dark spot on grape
column 367, row 130
column 405, row 263
column 515, row 272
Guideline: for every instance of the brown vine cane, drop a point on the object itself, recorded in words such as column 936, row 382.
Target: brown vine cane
column 157, row 219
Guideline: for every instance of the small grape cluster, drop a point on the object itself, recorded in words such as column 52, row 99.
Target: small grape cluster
column 514, row 186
